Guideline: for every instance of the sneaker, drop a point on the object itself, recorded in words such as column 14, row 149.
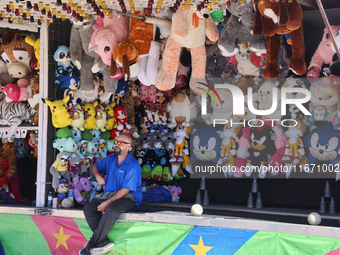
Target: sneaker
column 86, row 249
column 102, row 247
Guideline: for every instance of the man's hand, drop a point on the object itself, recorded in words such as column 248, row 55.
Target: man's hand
column 102, row 206
column 100, row 180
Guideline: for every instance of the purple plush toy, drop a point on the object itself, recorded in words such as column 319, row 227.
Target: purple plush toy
column 79, row 184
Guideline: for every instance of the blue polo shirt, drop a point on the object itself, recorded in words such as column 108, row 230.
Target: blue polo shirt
column 127, row 175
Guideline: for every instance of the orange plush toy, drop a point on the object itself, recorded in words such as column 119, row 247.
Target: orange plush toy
column 276, row 18
column 189, row 30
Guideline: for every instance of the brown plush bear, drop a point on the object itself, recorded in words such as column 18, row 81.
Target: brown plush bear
column 276, row 18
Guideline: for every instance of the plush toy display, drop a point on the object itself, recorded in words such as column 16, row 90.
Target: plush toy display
column 182, row 147
column 64, row 65
column 8, row 150
column 188, row 30
column 238, row 30
column 175, row 192
column 69, row 84
column 323, row 101
column 95, row 188
column 205, row 144
column 111, row 121
column 322, row 55
column 179, row 109
column 59, row 169
column 261, row 145
column 77, row 115
column 90, row 116
column 80, row 183
column 100, row 116
column 33, row 143
column 60, row 116
column 18, row 56
column 76, row 166
column 275, row 19
column 13, row 114
column 81, row 57
column 323, row 144
column 122, row 119
column 244, row 63
column 15, row 93
column 62, row 191
column 295, row 151
column 228, row 145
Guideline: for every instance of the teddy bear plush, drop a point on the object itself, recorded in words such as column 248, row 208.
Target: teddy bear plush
column 322, row 55
column 276, row 18
column 179, row 109
column 189, row 29
column 238, row 30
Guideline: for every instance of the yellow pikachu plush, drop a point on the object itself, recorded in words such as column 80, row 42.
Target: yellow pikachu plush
column 111, row 121
column 60, row 116
column 90, row 115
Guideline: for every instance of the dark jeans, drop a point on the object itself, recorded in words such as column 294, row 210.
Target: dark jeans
column 101, row 223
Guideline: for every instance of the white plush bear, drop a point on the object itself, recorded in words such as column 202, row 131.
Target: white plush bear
column 265, row 98
column 244, row 65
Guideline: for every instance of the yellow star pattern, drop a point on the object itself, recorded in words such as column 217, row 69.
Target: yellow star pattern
column 61, row 238
column 200, row 249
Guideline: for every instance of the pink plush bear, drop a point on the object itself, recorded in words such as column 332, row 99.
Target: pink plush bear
column 15, row 93
column 322, row 55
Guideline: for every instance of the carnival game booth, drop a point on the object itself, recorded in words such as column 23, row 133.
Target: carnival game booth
column 94, row 75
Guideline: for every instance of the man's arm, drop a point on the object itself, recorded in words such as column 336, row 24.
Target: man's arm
column 118, row 195
column 99, row 178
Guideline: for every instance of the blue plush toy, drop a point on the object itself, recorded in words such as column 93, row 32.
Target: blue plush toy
column 69, row 84
column 21, row 147
column 64, row 66
column 95, row 187
column 205, row 144
column 323, row 144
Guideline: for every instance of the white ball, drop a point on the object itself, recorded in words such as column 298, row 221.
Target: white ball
column 314, row 218
column 196, row 209
column 66, row 203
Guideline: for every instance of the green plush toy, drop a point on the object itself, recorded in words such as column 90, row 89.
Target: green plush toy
column 106, row 135
column 86, row 135
column 156, row 172
column 64, row 133
column 146, row 171
column 167, row 175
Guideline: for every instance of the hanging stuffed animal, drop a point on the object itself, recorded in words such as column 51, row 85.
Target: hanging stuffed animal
column 60, row 116
column 276, row 18
column 283, row 63
column 224, row 110
column 78, row 119
column 59, row 169
column 88, row 62
column 122, row 119
column 244, row 64
column 322, row 55
column 80, row 183
column 64, row 65
column 15, row 93
column 238, row 30
column 189, row 29
column 182, row 146
column 100, row 116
